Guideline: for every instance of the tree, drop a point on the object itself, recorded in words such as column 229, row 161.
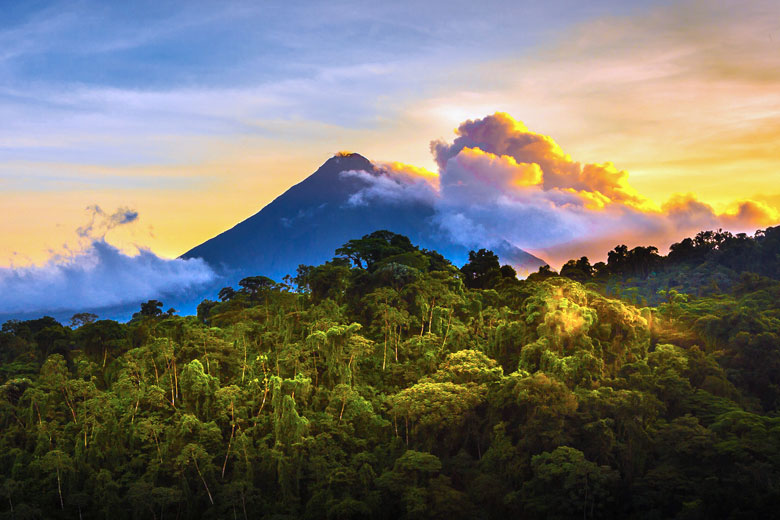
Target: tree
column 327, row 281
column 542, row 404
column 431, row 407
column 226, row 294
column 82, row 318
column 366, row 252
column 99, row 338
column 567, row 485
column 423, row 492
column 59, row 462
column 393, row 391
column 543, row 273
column 194, row 455
column 482, row 270
column 468, row 366
column 151, row 308
column 198, row 388
column 579, row 270
column 255, row 286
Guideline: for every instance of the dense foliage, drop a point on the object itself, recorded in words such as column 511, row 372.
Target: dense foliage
column 387, row 383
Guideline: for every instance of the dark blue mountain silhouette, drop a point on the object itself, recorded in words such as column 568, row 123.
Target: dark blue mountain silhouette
column 309, row 221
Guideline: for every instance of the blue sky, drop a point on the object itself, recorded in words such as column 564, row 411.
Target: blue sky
column 163, row 44
column 172, row 107
column 66, row 64
column 194, row 115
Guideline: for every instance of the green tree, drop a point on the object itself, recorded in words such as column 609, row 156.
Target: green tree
column 567, row 485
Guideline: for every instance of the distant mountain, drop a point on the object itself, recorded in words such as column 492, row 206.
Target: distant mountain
column 304, row 225
column 311, row 219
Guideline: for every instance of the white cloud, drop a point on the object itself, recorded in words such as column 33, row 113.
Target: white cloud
column 98, row 277
column 96, row 274
column 394, row 183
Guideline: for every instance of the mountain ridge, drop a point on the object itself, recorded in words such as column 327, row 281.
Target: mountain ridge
column 314, row 217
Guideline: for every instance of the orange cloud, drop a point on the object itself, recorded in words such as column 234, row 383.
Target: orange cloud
column 502, row 170
column 409, row 173
column 750, row 214
column 503, row 136
column 500, row 182
column 744, row 215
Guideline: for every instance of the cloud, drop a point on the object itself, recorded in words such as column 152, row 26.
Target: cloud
column 499, row 182
column 98, row 274
column 676, row 93
column 479, row 176
column 686, row 211
column 506, row 138
column 101, row 222
column 394, row 183
column 750, row 213
column 99, row 277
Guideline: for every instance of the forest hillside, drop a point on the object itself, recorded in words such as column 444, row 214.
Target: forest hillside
column 388, row 383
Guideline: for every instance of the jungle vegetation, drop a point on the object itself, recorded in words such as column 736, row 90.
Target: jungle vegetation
column 388, row 383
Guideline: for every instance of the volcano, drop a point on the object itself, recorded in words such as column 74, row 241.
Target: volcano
column 308, row 222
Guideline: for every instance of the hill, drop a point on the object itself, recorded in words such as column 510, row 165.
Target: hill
column 387, row 383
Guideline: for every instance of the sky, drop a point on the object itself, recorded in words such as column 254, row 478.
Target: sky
column 194, row 115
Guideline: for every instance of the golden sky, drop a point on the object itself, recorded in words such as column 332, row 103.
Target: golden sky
column 684, row 97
